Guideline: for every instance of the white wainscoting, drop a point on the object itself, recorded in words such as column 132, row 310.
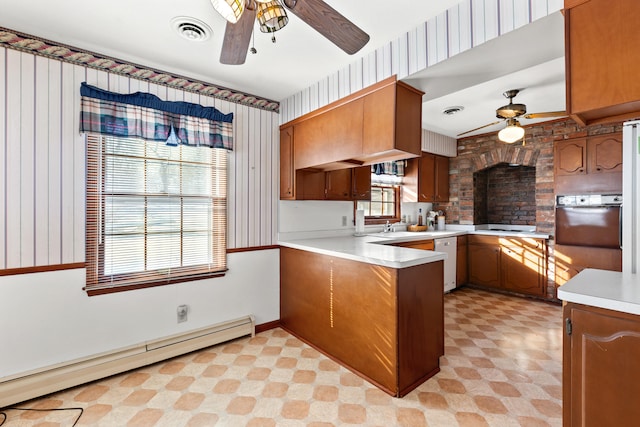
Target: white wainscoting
column 42, row 156
column 466, row 25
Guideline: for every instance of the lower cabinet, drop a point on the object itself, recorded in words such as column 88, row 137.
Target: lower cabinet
column 508, row 263
column 427, row 245
column 383, row 323
column 601, row 374
column 462, row 268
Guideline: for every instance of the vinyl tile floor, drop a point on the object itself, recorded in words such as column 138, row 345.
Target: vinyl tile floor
column 502, row 367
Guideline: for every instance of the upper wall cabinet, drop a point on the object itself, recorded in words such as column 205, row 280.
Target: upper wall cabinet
column 602, row 63
column 380, row 123
column 590, row 164
column 426, row 179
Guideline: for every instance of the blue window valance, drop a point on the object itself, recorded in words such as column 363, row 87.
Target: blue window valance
column 146, row 116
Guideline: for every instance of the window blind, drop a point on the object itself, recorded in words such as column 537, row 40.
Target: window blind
column 156, row 214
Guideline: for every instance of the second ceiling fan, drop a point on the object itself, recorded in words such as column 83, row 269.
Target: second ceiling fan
column 510, row 113
column 242, row 14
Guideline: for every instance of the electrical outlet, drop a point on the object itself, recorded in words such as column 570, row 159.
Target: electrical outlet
column 183, row 311
column 344, row 220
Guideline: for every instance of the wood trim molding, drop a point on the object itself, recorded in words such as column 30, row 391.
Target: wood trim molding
column 41, row 269
column 267, row 326
column 568, row 4
column 252, row 249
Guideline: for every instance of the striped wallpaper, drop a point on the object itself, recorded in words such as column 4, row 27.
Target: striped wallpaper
column 42, row 160
column 466, row 25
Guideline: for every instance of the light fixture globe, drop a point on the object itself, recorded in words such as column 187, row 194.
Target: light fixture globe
column 271, row 16
column 231, row 10
column 512, row 132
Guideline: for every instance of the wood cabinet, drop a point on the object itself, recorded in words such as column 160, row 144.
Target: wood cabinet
column 380, row 123
column 329, row 137
column 385, row 324
column 287, row 171
column 361, row 183
column 601, row 66
column 426, row 179
column 341, row 184
column 589, row 164
column 392, row 123
column 601, row 374
column 508, row 263
column 462, row 275
column 427, row 245
column 571, row 260
column 484, row 261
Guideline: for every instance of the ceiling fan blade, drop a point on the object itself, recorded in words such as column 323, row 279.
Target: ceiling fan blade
column 236, row 39
column 545, row 115
column 481, row 127
column 330, row 23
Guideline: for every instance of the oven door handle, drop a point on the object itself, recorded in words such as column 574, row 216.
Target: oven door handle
column 620, row 235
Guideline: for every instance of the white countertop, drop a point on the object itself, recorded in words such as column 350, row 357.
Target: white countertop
column 369, row 249
column 605, row 289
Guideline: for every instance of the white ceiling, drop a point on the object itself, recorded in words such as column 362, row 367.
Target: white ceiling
column 140, row 32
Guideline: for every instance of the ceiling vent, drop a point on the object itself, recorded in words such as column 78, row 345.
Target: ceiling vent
column 191, row 29
column 450, row 111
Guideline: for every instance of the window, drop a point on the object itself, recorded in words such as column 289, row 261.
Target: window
column 384, row 205
column 156, row 214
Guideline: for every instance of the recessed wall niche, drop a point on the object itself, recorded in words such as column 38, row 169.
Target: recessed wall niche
column 505, row 194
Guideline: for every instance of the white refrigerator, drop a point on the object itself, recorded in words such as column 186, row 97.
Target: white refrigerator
column 631, row 197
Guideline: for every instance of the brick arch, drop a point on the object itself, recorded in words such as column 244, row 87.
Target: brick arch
column 506, row 154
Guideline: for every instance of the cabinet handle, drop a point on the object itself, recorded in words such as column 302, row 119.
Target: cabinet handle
column 598, row 169
column 581, row 170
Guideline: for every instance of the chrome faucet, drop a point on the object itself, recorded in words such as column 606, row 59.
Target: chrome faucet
column 389, row 227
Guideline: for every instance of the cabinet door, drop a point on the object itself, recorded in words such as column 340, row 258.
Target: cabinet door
column 427, row 245
column 379, row 121
column 604, row 154
column 338, row 184
column 311, row 185
column 484, row 264
column 602, row 79
column 462, row 275
column 441, row 172
column 329, row 137
column 287, row 173
column 361, row 183
column 523, row 266
column 427, row 178
column 601, row 379
column 570, row 157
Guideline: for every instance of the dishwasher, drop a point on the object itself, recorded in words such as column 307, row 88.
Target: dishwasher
column 448, row 246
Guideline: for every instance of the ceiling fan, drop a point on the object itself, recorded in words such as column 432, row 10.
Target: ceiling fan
column 510, row 113
column 271, row 16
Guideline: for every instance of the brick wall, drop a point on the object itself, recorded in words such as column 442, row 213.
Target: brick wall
column 485, row 151
column 505, row 195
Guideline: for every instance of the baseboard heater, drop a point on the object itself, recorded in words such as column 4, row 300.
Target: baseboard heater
column 39, row 382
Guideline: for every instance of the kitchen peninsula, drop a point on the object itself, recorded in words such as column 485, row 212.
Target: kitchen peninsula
column 374, row 308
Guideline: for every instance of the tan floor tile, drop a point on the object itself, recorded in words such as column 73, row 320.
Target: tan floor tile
column 134, row 379
column 139, row 397
column 203, row 420
column 433, row 400
column 295, row 409
column 91, row 393
column 189, row 401
column 469, row 419
column 411, row 417
column 352, row 414
column 146, row 418
column 171, row 368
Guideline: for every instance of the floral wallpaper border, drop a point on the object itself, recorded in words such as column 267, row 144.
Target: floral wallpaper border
column 38, row 46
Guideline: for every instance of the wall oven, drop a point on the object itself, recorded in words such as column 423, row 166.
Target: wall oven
column 593, row 220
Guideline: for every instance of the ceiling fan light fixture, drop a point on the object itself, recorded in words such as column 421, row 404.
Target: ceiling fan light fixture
column 512, row 132
column 231, row 10
column 271, row 16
